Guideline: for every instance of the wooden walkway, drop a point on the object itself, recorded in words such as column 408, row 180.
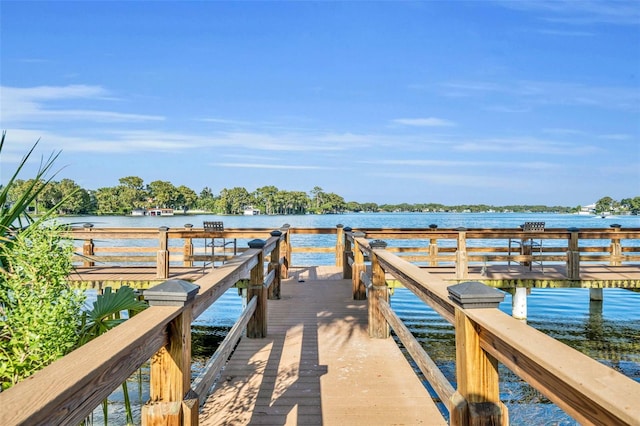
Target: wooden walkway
column 140, row 277
column 501, row 276
column 318, row 366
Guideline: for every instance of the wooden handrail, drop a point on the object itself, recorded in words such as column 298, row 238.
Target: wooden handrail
column 205, row 379
column 431, row 372
column 587, row 390
column 67, row 391
column 432, row 247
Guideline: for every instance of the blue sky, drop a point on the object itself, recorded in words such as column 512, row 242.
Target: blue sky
column 453, row 102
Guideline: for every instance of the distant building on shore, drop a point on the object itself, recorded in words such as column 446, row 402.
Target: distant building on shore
column 588, row 210
column 152, row 212
column 250, row 211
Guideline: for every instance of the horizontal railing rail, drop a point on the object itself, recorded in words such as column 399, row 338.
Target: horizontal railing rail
column 68, row 390
column 587, row 390
column 458, row 247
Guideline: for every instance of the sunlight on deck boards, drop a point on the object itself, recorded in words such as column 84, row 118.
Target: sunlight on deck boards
column 318, row 365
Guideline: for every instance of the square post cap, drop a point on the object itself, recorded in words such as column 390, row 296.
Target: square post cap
column 171, row 293
column 378, row 244
column 254, row 244
column 474, row 294
column 275, row 233
column 359, row 234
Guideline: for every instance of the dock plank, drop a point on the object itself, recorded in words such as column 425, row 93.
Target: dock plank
column 501, row 276
column 318, row 366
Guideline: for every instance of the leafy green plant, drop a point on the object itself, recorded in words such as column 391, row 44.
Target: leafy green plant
column 106, row 314
column 38, row 311
column 15, row 214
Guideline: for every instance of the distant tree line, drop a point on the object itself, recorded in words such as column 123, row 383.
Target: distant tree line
column 132, row 193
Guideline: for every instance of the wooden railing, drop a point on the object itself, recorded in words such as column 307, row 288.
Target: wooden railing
column 161, row 247
column 462, row 247
column 588, row 391
column 67, row 391
column 433, row 247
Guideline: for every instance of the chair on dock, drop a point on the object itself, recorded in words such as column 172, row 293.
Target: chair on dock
column 529, row 246
column 217, row 226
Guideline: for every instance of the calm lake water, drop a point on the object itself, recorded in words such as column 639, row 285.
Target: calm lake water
column 608, row 331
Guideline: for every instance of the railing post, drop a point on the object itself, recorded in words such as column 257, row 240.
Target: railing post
column 257, row 325
column 378, row 325
column 358, row 288
column 339, row 245
column 477, row 398
column 616, row 248
column 187, row 254
column 346, row 267
column 286, row 250
column 274, row 265
column 433, row 247
column 573, row 255
column 462, row 264
column 162, row 263
column 170, row 367
column 88, row 247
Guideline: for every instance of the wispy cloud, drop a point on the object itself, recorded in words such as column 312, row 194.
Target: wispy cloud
column 565, row 33
column 616, row 137
column 552, row 93
column 224, row 121
column 424, row 122
column 524, row 145
column 34, row 104
column 138, row 141
column 455, row 179
column 583, row 12
column 518, row 165
column 269, row 166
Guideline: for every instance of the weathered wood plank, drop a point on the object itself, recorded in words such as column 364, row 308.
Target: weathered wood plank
column 318, row 366
column 63, row 392
column 590, row 392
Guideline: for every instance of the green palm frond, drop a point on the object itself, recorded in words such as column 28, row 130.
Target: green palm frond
column 106, row 312
column 15, row 214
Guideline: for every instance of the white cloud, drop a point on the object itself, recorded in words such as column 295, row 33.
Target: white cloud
column 33, row 105
column 551, row 93
column 565, row 33
column 424, row 122
column 456, row 179
column 616, row 137
column 583, row 12
column 531, row 165
column 269, row 166
column 524, row 145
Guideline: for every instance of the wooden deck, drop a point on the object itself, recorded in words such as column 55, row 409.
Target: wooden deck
column 140, row 277
column 500, row 276
column 317, row 365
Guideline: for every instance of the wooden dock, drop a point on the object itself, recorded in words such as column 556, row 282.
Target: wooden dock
column 318, row 365
column 321, row 354
column 499, row 276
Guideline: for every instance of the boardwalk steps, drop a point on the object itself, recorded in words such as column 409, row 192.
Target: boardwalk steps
column 318, row 365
